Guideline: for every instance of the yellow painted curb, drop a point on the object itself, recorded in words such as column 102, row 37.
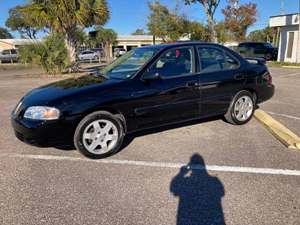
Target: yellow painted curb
column 282, row 133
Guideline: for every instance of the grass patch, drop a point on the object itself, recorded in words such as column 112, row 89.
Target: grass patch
column 283, row 64
column 17, row 66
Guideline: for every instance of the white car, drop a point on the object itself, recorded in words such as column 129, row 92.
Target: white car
column 88, row 55
column 9, row 55
column 119, row 52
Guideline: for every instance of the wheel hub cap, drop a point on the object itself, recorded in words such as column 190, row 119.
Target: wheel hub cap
column 100, row 136
column 243, row 108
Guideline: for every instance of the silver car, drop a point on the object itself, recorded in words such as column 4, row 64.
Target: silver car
column 9, row 55
column 88, row 55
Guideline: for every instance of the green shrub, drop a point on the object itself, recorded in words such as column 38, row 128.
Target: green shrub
column 50, row 54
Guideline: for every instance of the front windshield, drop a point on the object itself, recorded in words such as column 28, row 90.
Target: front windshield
column 128, row 64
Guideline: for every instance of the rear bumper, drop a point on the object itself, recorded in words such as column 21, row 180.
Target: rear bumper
column 265, row 93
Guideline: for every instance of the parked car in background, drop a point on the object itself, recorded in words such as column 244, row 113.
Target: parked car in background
column 146, row 88
column 9, row 55
column 258, row 49
column 119, row 52
column 89, row 55
column 99, row 50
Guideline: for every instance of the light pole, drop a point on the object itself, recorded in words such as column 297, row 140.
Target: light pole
column 298, row 45
column 282, row 11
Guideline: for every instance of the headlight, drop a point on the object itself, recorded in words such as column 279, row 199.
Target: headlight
column 41, row 113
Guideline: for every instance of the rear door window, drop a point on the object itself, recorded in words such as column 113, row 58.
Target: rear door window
column 213, row 59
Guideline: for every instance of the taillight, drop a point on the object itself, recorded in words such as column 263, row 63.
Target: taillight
column 267, row 78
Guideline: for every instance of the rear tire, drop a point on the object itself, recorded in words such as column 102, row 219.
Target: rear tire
column 99, row 135
column 241, row 109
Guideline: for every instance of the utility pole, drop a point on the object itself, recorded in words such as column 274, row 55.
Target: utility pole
column 298, row 45
column 282, row 8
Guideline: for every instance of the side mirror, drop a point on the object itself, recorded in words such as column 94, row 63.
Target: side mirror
column 149, row 75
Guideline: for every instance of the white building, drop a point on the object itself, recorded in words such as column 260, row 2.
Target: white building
column 289, row 41
column 127, row 42
column 15, row 43
column 123, row 41
column 133, row 41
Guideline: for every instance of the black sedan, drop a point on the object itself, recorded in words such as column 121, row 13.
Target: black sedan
column 145, row 88
column 258, row 49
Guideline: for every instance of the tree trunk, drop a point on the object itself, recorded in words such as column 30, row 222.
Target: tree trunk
column 71, row 44
column 107, row 51
column 212, row 29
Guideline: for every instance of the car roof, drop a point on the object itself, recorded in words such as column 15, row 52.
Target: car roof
column 164, row 46
column 178, row 44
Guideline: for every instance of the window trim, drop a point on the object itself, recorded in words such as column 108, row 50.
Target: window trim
column 193, row 73
column 290, row 49
column 223, row 51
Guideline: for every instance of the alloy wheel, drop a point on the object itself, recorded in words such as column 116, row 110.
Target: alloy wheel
column 100, row 136
column 243, row 108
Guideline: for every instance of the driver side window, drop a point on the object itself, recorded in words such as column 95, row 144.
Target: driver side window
column 175, row 62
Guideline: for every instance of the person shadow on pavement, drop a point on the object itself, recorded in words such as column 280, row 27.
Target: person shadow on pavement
column 200, row 195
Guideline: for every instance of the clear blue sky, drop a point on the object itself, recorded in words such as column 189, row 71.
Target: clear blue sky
column 127, row 15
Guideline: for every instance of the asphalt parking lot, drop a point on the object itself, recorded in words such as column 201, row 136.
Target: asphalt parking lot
column 234, row 174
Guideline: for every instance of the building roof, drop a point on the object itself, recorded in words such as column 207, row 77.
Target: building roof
column 284, row 20
column 289, row 14
column 136, row 38
column 18, row 41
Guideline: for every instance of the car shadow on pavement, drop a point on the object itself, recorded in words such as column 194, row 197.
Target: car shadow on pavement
column 69, row 145
column 200, row 195
column 130, row 137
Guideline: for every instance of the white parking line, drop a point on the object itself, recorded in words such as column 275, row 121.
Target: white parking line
column 284, row 115
column 232, row 169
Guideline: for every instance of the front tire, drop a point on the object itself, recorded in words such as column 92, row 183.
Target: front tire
column 241, row 109
column 99, row 135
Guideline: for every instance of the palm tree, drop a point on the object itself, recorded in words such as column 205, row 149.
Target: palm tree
column 106, row 38
column 66, row 16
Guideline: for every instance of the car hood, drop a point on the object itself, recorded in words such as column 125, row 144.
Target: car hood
column 66, row 88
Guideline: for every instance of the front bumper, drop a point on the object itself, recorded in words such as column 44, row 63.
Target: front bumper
column 44, row 133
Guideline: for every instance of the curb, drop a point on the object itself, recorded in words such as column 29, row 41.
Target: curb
column 282, row 133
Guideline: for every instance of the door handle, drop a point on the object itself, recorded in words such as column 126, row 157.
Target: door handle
column 239, row 77
column 210, row 85
column 193, row 84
